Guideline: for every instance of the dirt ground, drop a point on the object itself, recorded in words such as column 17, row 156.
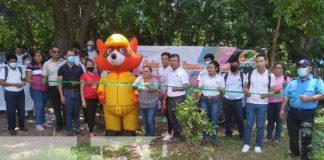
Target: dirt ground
column 99, row 127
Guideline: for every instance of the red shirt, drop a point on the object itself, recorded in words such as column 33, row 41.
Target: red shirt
column 90, row 90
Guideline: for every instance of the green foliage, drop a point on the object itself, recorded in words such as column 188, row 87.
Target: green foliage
column 185, row 22
column 318, row 134
column 193, row 121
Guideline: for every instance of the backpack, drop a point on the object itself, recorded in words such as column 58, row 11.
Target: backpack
column 7, row 72
column 269, row 79
column 241, row 75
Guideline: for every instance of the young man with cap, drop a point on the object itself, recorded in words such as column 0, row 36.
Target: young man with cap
column 90, row 49
column 232, row 102
column 305, row 90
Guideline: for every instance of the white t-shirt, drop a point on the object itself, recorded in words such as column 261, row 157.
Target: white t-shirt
column 14, row 76
column 178, row 78
column 234, row 83
column 50, row 69
column 163, row 73
column 259, row 84
column 209, row 82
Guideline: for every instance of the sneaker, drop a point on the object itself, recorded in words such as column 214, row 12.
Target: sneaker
column 245, row 148
column 167, row 137
column 23, row 129
column 47, row 125
column 266, row 140
column 12, row 132
column 39, row 127
column 257, row 149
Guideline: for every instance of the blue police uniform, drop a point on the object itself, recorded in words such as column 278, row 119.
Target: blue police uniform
column 301, row 114
column 311, row 86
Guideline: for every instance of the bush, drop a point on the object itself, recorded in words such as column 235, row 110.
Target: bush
column 192, row 119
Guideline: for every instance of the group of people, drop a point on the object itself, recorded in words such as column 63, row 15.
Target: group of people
column 46, row 83
column 65, row 82
column 267, row 94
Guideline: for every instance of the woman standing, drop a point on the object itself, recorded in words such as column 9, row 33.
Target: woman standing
column 210, row 100
column 148, row 98
column 89, row 94
column 37, row 89
column 275, row 104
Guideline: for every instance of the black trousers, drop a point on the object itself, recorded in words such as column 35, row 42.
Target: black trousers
column 55, row 102
column 300, row 120
column 172, row 103
column 91, row 109
column 15, row 101
column 233, row 108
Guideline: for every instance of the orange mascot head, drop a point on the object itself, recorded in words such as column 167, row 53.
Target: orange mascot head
column 117, row 54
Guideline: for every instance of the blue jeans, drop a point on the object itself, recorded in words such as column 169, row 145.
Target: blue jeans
column 149, row 120
column 274, row 118
column 258, row 112
column 212, row 107
column 72, row 109
column 40, row 99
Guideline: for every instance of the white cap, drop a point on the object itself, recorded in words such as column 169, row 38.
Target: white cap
column 90, row 43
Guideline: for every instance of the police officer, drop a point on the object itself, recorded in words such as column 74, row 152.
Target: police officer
column 306, row 91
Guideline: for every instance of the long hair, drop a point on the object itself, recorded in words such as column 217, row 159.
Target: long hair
column 33, row 57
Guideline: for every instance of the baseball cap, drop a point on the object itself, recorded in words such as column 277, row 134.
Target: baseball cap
column 303, row 62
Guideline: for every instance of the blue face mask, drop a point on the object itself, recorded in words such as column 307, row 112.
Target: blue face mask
column 206, row 63
column 89, row 48
column 27, row 62
column 71, row 59
column 13, row 65
column 302, row 72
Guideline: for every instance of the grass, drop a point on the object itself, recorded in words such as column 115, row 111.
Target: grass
column 227, row 148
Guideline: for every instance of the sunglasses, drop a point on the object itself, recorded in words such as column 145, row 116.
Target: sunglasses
column 55, row 51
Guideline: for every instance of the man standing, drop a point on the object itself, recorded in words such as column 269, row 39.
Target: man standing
column 13, row 80
column 305, row 90
column 90, row 49
column 260, row 83
column 178, row 77
column 207, row 59
column 232, row 102
column 19, row 52
column 49, row 73
column 163, row 73
column 70, row 92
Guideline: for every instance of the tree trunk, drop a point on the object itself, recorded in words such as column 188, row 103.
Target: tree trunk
column 60, row 28
column 275, row 40
column 85, row 21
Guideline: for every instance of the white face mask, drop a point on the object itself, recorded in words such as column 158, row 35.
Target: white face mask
column 13, row 65
column 302, row 72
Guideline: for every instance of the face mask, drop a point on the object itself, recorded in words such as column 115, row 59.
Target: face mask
column 71, row 59
column 207, row 62
column 27, row 62
column 89, row 48
column 234, row 68
column 302, row 72
column 90, row 69
column 13, row 65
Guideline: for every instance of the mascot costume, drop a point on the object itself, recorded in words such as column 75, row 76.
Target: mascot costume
column 119, row 57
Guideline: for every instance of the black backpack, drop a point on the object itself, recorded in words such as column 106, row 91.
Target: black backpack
column 241, row 75
column 7, row 72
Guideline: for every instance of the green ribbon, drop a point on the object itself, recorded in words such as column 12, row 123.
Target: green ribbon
column 157, row 85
